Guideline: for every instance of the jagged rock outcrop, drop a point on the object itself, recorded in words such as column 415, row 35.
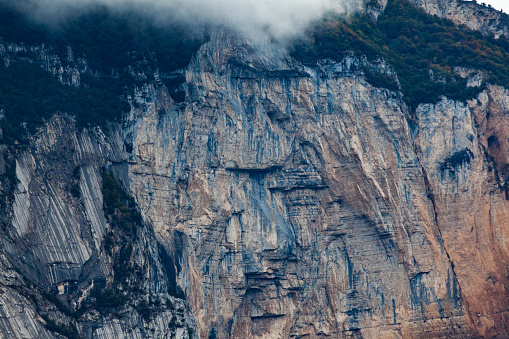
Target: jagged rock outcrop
column 475, row 16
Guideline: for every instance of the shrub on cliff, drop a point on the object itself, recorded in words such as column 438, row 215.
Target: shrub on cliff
column 413, row 42
column 112, row 43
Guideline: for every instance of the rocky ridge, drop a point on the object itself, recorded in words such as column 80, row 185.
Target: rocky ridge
column 475, row 16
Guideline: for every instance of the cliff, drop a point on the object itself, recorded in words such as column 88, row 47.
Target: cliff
column 478, row 17
column 471, row 14
column 277, row 200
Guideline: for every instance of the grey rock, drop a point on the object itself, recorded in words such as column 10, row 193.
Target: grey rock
column 283, row 200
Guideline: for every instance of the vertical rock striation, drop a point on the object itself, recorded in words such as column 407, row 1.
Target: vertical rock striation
column 63, row 257
column 303, row 204
column 279, row 199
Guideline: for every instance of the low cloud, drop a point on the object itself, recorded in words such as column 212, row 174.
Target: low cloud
column 279, row 18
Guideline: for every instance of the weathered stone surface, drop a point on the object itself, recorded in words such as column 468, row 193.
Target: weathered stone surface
column 305, row 205
column 470, row 198
column 56, row 253
column 285, row 200
column 469, row 13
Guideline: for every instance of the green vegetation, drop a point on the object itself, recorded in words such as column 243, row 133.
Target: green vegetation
column 10, row 174
column 120, row 208
column 144, row 310
column 28, row 95
column 125, row 219
column 126, row 222
column 381, row 80
column 107, row 298
column 173, row 85
column 413, row 42
column 108, row 39
column 115, row 41
column 15, row 27
column 70, row 332
column 74, row 185
column 128, row 274
column 111, row 42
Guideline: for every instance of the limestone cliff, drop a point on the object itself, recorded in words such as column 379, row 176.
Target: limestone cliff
column 478, row 17
column 307, row 205
column 277, row 201
column 471, row 14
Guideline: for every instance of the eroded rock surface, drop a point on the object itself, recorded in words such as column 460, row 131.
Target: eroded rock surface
column 62, row 257
column 282, row 200
column 306, row 205
column 475, row 16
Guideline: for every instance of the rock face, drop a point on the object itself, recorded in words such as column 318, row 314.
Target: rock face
column 56, row 249
column 475, row 16
column 470, row 199
column 305, row 204
column 282, row 200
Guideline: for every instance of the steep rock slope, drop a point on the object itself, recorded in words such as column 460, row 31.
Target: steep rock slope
column 64, row 260
column 469, row 13
column 475, row 16
column 306, row 205
column 283, row 200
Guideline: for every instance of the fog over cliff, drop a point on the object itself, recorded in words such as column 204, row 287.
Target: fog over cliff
column 279, row 18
